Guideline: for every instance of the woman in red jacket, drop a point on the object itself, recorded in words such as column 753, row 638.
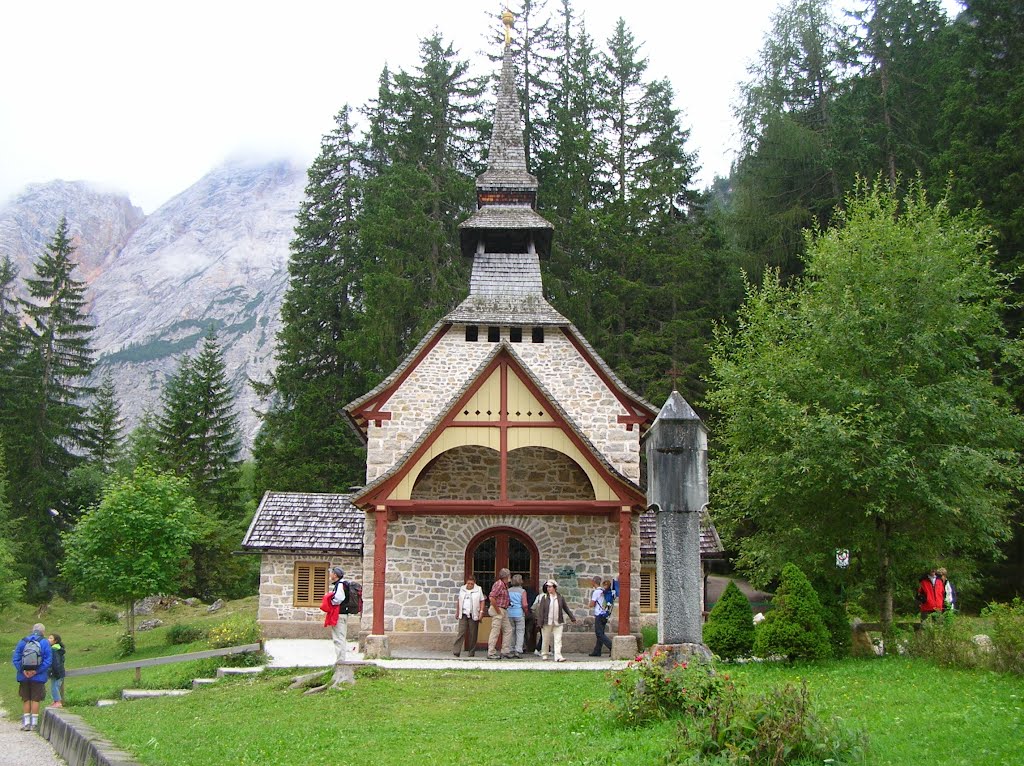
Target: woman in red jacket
column 931, row 594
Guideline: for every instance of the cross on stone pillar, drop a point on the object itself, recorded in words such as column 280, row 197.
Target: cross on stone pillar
column 677, row 491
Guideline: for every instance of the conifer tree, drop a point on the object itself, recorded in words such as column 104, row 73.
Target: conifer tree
column 105, row 436
column 198, row 439
column 12, row 585
column 305, row 443
column 198, row 431
column 729, row 631
column 46, row 438
column 795, row 627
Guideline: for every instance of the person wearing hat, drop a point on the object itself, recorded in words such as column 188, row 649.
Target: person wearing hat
column 548, row 612
column 32, row 658
column 338, row 623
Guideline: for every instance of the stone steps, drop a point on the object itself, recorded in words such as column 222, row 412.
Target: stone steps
column 138, row 694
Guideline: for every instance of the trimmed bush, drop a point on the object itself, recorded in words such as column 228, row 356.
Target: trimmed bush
column 795, row 628
column 729, row 631
column 185, row 634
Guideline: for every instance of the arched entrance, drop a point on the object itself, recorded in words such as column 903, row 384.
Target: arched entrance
column 497, row 548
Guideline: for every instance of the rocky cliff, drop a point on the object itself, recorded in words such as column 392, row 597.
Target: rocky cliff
column 214, row 256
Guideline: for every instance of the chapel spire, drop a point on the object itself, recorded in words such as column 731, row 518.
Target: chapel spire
column 506, row 192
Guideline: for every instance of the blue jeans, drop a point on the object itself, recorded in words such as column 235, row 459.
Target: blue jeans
column 56, row 685
column 600, row 625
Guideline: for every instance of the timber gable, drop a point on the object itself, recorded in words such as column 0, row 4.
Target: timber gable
column 504, row 408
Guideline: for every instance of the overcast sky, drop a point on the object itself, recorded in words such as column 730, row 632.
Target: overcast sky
column 146, row 97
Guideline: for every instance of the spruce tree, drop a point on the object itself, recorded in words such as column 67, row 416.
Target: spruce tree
column 729, row 631
column 105, row 436
column 795, row 626
column 305, row 443
column 48, row 433
column 198, row 431
column 198, row 439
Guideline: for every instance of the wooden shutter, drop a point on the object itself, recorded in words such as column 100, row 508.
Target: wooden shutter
column 648, row 595
column 310, row 583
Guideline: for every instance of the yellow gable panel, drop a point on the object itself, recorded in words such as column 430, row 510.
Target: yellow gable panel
column 523, row 406
column 556, row 439
column 453, row 436
column 485, row 404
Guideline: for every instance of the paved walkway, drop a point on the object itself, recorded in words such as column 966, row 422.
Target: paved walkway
column 24, row 748
column 316, row 653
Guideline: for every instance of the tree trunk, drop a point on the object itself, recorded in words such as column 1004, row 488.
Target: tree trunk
column 884, row 577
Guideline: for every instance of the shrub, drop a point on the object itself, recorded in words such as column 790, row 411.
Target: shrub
column 729, row 631
column 1007, row 635
column 185, row 634
column 946, row 641
column 652, row 688
column 795, row 628
column 650, row 635
column 837, row 623
column 105, row 616
column 234, row 632
column 125, row 645
column 770, row 729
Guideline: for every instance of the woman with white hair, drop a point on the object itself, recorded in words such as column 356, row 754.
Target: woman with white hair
column 548, row 611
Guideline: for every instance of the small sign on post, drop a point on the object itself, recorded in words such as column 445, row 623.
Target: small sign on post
column 843, row 558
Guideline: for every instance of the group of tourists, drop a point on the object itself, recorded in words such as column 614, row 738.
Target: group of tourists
column 935, row 593
column 516, row 617
column 37, row 659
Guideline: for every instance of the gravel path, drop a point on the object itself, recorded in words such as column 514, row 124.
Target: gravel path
column 24, row 748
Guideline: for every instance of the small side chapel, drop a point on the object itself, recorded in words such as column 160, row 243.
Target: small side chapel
column 502, row 440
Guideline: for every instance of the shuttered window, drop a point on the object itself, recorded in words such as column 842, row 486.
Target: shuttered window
column 648, row 588
column 310, row 583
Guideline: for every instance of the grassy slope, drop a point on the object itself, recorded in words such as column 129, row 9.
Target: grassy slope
column 914, row 714
column 89, row 642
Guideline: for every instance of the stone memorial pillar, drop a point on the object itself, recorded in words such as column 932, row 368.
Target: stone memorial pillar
column 677, row 492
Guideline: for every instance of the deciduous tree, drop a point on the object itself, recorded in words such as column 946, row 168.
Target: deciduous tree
column 861, row 408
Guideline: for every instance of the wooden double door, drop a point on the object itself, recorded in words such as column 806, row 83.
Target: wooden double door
column 493, row 550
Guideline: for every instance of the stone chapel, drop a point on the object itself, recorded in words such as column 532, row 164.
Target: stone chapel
column 502, row 440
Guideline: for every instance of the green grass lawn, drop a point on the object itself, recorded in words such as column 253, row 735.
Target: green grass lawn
column 90, row 642
column 913, row 712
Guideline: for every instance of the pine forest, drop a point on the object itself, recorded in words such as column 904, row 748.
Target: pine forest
column 850, row 119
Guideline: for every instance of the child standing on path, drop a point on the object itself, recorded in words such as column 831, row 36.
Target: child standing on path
column 57, row 670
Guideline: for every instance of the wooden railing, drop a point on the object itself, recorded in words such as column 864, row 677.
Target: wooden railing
column 138, row 665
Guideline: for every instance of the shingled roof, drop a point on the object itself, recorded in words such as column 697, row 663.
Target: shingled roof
column 304, row 522
column 710, row 543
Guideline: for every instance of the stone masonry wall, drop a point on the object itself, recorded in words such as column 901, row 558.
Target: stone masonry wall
column 447, row 369
column 426, row 558
column 473, row 472
column 277, row 613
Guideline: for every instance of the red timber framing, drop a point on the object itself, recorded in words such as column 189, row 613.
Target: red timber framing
column 627, row 498
column 370, row 410
column 636, row 415
column 625, row 494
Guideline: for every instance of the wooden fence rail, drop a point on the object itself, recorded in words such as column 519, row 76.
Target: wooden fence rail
column 138, row 665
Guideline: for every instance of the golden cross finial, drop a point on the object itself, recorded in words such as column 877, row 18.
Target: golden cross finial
column 507, row 18
column 675, row 374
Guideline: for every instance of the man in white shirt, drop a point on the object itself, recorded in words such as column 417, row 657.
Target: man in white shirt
column 601, row 615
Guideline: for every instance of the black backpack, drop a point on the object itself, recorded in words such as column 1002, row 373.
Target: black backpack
column 31, row 654
column 353, row 603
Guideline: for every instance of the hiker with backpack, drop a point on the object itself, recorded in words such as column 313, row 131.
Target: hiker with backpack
column 57, row 670
column 32, row 659
column 335, row 596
